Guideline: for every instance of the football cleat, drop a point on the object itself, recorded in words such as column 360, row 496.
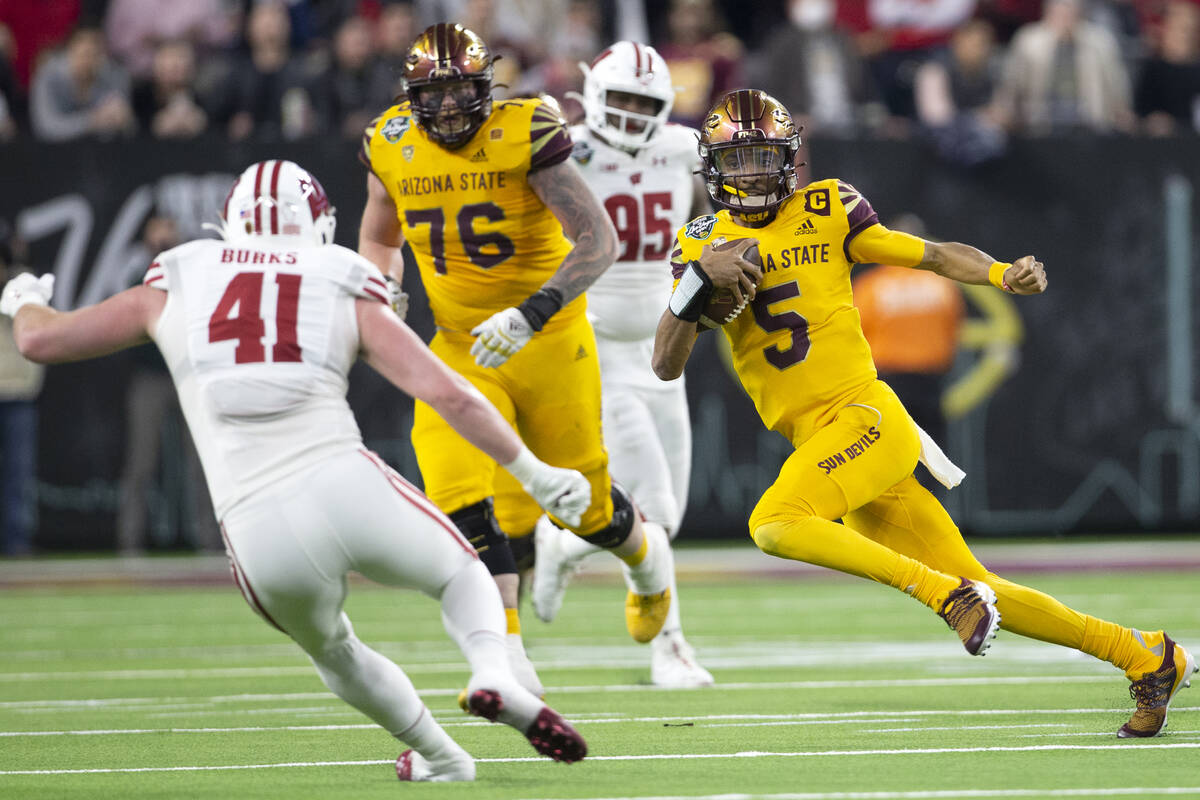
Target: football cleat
column 646, row 613
column 545, row 728
column 412, row 766
column 552, row 569
column 971, row 611
column 1154, row 691
column 673, row 663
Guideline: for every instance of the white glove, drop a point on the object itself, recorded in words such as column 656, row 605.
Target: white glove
column 500, row 336
column 397, row 297
column 26, row 289
column 564, row 493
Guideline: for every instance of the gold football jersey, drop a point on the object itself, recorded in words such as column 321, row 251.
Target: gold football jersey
column 798, row 348
column 483, row 240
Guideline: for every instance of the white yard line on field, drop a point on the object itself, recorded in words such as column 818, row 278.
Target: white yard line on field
column 933, row 794
column 650, row 757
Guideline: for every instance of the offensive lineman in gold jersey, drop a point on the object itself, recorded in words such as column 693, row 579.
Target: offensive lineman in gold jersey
column 800, row 354
column 507, row 237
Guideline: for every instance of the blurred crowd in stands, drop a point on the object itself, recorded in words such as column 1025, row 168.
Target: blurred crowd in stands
column 965, row 73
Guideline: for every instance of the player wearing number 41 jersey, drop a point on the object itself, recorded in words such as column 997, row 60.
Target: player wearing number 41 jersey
column 259, row 332
column 507, row 236
column 800, row 353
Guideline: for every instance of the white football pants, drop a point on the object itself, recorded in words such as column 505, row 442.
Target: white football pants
column 292, row 545
column 647, row 431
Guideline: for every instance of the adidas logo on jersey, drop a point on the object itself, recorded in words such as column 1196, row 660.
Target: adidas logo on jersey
column 805, row 227
column 480, row 155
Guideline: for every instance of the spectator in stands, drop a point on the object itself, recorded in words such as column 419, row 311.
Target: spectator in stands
column 36, row 25
column 954, row 94
column 813, row 68
column 705, row 61
column 20, row 384
column 166, row 105
column 1064, row 74
column 81, row 92
column 579, row 40
column 1168, row 91
column 267, row 92
column 137, row 28
column 395, row 31
column 914, row 31
column 8, row 86
column 342, row 93
column 151, row 409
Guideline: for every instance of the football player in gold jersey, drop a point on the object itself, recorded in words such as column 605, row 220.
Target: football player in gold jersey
column 799, row 351
column 507, row 237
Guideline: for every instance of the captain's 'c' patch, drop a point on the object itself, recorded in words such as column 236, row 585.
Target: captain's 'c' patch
column 700, row 227
column 817, row 202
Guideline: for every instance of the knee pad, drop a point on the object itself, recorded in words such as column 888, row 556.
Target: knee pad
column 478, row 524
column 523, row 551
column 621, row 524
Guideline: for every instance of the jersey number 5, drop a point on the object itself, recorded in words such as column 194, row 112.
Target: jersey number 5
column 238, row 316
column 785, row 320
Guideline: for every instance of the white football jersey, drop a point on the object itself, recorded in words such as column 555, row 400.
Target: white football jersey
column 259, row 339
column 648, row 195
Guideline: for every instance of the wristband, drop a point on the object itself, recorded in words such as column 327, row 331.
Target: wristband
column 691, row 294
column 996, row 275
column 523, row 466
column 541, row 306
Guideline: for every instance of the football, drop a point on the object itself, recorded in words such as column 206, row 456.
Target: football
column 722, row 307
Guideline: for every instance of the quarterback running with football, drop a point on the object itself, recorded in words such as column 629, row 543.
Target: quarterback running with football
column 642, row 170
column 259, row 332
column 507, row 237
column 799, row 351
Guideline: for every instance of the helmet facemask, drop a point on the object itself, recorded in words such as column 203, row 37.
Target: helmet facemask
column 451, row 110
column 632, row 75
column 749, row 177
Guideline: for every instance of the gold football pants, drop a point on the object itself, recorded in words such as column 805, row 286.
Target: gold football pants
column 550, row 392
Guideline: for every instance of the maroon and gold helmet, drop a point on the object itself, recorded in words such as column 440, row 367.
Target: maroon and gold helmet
column 749, row 144
column 448, row 79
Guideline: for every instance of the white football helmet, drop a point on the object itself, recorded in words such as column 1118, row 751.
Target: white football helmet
column 626, row 67
column 278, row 199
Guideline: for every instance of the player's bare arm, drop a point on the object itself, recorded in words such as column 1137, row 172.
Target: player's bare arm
column 563, row 190
column 673, row 342
column 379, row 236
column 48, row 336
column 399, row 355
column 966, row 264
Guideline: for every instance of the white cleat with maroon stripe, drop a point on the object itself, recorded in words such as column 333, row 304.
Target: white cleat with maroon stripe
column 412, row 766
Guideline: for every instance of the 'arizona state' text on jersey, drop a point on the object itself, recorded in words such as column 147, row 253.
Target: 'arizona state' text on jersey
column 798, row 347
column 483, row 239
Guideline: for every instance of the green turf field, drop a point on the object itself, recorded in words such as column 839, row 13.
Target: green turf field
column 828, row 688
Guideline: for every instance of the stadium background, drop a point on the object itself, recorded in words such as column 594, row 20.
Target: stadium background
column 1097, row 431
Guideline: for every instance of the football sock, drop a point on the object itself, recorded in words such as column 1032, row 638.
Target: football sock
column 819, row 541
column 367, row 680
column 512, row 621
column 638, row 556
column 1129, row 650
column 576, row 548
column 649, row 570
column 470, row 603
column 672, row 623
column 430, row 739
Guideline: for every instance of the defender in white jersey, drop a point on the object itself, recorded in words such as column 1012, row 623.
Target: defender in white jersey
column 642, row 169
column 259, row 332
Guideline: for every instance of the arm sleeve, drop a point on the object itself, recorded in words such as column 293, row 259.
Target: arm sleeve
column 549, row 141
column 878, row 245
column 156, row 275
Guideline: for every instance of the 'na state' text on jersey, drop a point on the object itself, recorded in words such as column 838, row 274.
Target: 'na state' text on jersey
column 648, row 195
column 798, row 348
column 259, row 340
column 483, row 239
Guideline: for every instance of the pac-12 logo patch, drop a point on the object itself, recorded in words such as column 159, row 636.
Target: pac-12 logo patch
column 700, row 227
column 395, row 128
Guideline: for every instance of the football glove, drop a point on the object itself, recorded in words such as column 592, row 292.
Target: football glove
column 564, row 493
column 26, row 289
column 397, row 297
column 500, row 336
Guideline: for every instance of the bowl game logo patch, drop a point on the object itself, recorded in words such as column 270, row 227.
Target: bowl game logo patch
column 395, row 128
column 700, row 227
